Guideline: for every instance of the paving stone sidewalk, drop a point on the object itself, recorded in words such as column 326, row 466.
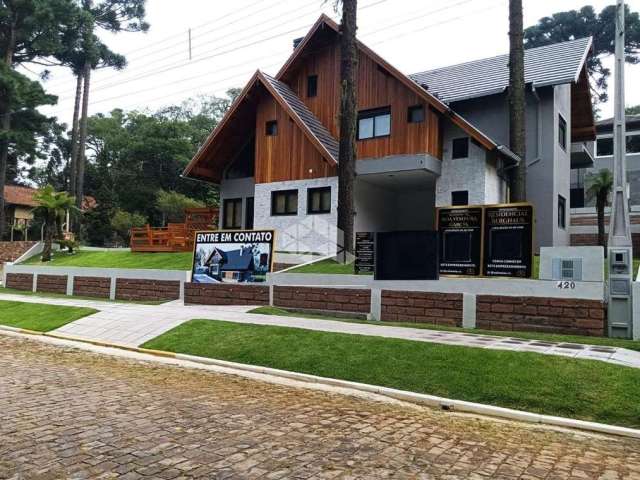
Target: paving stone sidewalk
column 69, row 414
column 134, row 324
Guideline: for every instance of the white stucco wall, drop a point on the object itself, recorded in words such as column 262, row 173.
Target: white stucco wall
column 302, row 232
column 562, row 164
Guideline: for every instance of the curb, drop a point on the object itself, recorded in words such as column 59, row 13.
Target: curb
column 402, row 395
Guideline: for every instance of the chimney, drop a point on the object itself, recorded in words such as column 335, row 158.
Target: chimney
column 296, row 42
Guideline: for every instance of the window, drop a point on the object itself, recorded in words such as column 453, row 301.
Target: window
column 562, row 132
column 460, row 148
column 232, row 213
column 415, row 114
column 633, row 143
column 271, row 128
column 577, row 197
column 460, row 198
column 374, row 123
column 604, row 147
column 312, row 85
column 319, row 200
column 562, row 212
column 284, row 202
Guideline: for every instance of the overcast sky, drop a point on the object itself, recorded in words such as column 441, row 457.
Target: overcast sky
column 231, row 39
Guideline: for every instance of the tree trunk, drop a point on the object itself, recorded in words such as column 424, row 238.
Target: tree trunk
column 600, row 204
column 48, row 236
column 5, row 128
column 73, row 167
column 517, row 101
column 82, row 142
column 348, row 119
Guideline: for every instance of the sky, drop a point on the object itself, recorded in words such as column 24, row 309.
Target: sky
column 231, row 39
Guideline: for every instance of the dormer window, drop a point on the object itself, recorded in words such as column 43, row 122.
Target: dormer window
column 312, row 86
column 374, row 123
column 271, row 128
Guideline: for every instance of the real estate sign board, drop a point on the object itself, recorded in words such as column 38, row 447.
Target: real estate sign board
column 407, row 255
column 508, row 240
column 232, row 256
column 460, row 230
column 365, row 263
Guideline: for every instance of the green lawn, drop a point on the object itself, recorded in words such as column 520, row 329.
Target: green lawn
column 584, row 389
column 118, row 259
column 39, row 317
column 545, row 337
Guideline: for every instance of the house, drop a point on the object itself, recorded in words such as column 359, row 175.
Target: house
column 235, row 265
column 583, row 212
column 432, row 139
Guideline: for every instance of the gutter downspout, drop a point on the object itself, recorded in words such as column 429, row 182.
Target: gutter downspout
column 538, row 127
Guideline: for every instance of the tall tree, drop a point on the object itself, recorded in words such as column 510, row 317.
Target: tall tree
column 599, row 186
column 571, row 24
column 31, row 31
column 517, row 101
column 107, row 15
column 348, row 121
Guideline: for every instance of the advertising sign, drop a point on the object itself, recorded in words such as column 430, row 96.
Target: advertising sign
column 407, row 255
column 232, row 256
column 365, row 253
column 460, row 231
column 508, row 240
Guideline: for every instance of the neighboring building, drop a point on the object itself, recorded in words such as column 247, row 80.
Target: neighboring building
column 583, row 212
column 431, row 139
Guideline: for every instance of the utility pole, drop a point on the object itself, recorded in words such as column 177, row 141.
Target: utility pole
column 620, row 251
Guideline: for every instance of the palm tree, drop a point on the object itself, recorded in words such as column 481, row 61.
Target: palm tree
column 54, row 206
column 599, row 186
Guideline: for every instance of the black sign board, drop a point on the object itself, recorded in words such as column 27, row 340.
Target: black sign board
column 508, row 240
column 460, row 240
column 410, row 255
column 365, row 253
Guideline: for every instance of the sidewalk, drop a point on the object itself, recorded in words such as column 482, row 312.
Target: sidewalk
column 134, row 324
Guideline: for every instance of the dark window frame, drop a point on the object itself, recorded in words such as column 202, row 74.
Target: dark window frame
column 312, row 86
column 320, row 190
column 602, row 141
column 374, row 113
column 562, row 212
column 455, row 156
column 237, row 203
column 271, row 128
column 562, row 132
column 629, row 142
column 458, row 203
column 413, row 109
column 288, row 195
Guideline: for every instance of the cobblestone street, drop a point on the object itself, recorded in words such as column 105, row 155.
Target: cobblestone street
column 73, row 414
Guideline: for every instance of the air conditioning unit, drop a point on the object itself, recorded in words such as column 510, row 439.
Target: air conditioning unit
column 567, row 269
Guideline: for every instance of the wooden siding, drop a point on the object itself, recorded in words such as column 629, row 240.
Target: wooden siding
column 289, row 155
column 376, row 88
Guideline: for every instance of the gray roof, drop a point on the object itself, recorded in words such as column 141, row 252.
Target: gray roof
column 549, row 65
column 310, row 120
column 627, row 118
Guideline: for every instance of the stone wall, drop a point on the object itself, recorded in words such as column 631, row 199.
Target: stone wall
column 99, row 287
column 11, row 251
column 52, row 284
column 351, row 300
column 133, row 289
column 422, row 307
column 225, row 294
column 540, row 314
column 20, row 281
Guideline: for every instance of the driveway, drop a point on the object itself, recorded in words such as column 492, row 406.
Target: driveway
column 73, row 414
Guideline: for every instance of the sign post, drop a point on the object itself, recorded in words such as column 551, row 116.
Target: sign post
column 365, row 253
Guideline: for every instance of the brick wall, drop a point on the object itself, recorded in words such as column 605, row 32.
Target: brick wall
column 92, row 286
column 422, row 307
column 20, row 281
column 591, row 239
column 539, row 314
column 225, row 294
column 352, row 300
column 10, row 251
column 147, row 290
column 52, row 284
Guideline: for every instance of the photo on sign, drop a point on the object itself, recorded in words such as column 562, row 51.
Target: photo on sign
column 232, row 257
